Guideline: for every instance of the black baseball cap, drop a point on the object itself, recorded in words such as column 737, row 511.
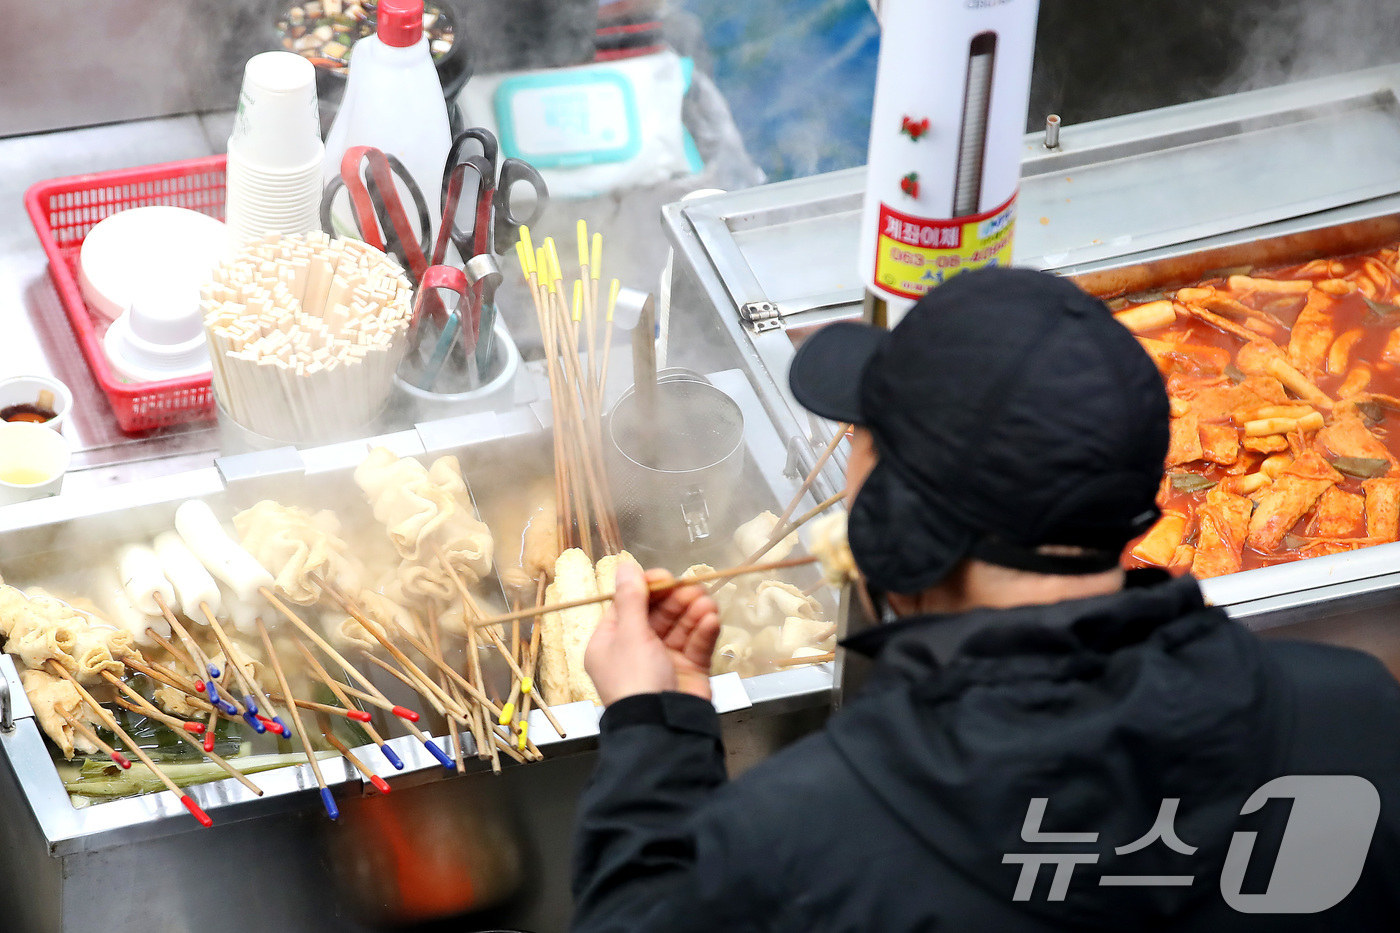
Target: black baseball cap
column 1010, row 411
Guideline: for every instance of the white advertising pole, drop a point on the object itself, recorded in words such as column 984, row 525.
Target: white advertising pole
column 951, row 95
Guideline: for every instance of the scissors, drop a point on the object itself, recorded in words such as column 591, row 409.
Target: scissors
column 495, row 223
column 377, row 209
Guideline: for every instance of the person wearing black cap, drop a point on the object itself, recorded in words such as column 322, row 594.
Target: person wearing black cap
column 1046, row 742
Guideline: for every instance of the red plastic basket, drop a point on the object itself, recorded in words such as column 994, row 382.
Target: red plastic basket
column 63, row 211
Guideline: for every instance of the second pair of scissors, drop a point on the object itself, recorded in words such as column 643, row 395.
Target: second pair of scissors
column 497, row 207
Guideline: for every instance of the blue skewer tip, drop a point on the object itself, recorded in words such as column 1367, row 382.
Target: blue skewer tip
column 253, row 721
column 285, row 731
column 331, row 810
column 229, row 707
column 252, row 704
column 393, row 759
column 214, row 672
column 439, row 754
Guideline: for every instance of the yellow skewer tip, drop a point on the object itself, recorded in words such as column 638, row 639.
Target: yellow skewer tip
column 582, row 243
column 554, row 270
column 525, row 238
column 578, row 299
column 613, row 289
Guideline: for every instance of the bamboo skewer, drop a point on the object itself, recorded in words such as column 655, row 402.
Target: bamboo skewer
column 780, row 532
column 814, row 659
column 535, row 265
column 185, row 799
column 341, row 694
column 587, row 300
column 532, row 664
column 443, row 758
column 408, row 682
column 582, row 491
column 165, row 675
column 454, row 725
column 327, row 799
column 321, row 643
column 461, row 681
column 147, row 708
column 250, row 685
column 442, row 665
column 474, row 666
column 469, row 602
column 211, row 727
column 415, row 672
column 204, row 673
column 402, row 712
column 81, row 728
column 355, row 715
column 170, row 648
column 652, row 588
column 379, row 783
column 613, row 289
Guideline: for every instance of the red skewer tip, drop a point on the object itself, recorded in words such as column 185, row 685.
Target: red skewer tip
column 199, row 685
column 275, row 727
column 196, row 727
column 379, row 783
column 208, row 742
column 405, row 713
column 359, row 715
column 121, row 760
column 196, row 811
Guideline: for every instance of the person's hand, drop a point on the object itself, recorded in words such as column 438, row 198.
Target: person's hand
column 648, row 644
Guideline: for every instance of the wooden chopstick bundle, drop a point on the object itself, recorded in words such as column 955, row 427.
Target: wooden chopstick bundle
column 305, row 334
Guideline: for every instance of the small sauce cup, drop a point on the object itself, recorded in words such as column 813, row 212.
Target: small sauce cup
column 26, row 399
column 33, row 460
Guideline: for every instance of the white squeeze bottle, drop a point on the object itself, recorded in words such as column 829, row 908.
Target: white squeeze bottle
column 393, row 101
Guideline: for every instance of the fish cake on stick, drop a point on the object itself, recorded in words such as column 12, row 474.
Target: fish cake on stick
column 224, row 557
column 143, row 577
column 193, row 584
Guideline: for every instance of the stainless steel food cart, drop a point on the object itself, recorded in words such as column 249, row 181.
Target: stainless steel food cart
column 1121, row 204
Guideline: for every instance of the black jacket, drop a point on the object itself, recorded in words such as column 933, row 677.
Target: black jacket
column 899, row 815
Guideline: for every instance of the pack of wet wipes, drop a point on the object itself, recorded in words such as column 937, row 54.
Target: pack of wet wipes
column 594, row 128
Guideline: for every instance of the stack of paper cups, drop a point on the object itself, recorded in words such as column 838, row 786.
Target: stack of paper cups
column 275, row 152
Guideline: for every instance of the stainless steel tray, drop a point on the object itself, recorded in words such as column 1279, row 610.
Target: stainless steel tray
column 59, row 861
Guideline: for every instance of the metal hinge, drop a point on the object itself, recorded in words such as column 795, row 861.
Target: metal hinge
column 761, row 316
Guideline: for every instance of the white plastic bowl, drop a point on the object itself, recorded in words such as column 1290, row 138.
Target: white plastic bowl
column 146, row 244
column 161, row 336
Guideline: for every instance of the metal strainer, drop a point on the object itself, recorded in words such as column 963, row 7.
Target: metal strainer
column 674, row 472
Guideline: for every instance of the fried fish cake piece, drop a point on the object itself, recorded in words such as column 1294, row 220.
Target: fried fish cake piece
column 1289, row 498
column 1312, row 334
column 1382, row 508
column 1340, row 514
column 1224, row 526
